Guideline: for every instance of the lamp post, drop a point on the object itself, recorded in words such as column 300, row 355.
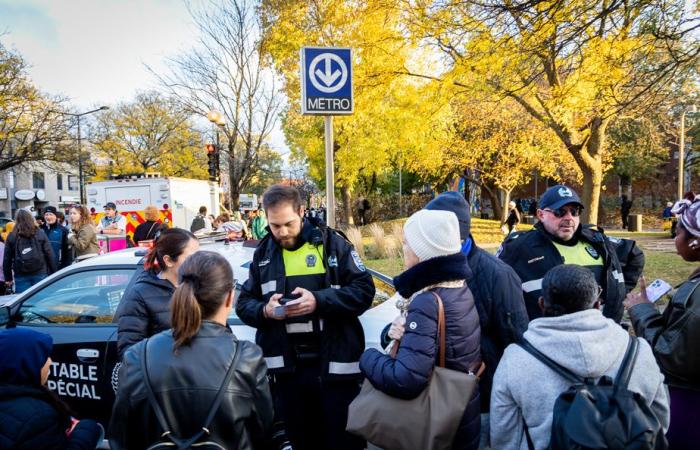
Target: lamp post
column 681, row 150
column 217, row 119
column 81, row 180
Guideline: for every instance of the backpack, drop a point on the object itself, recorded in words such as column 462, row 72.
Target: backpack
column 29, row 258
column 605, row 415
column 198, row 441
column 197, row 223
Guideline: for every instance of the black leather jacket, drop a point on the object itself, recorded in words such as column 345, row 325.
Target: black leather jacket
column 674, row 336
column 185, row 385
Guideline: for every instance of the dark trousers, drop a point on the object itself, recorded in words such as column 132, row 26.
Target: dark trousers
column 315, row 412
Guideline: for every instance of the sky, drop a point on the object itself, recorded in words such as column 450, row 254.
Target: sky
column 95, row 51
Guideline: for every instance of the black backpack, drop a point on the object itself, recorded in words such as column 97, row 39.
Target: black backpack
column 29, row 258
column 605, row 415
column 197, row 223
column 198, row 441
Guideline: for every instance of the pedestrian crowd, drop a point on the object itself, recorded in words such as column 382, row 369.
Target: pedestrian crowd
column 526, row 349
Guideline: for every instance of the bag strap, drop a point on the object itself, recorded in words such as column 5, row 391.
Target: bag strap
column 559, row 369
column 441, row 329
column 625, row 371
column 151, row 229
column 212, row 410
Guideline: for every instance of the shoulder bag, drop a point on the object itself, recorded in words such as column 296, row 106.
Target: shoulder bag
column 427, row 422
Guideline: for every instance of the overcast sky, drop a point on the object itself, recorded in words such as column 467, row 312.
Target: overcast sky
column 94, row 51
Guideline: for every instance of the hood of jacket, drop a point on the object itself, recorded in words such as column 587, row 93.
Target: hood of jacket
column 585, row 342
column 431, row 272
column 23, row 352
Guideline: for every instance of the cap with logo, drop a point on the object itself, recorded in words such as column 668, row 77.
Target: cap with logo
column 110, row 205
column 558, row 196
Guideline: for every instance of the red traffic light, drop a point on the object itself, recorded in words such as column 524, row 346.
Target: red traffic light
column 211, row 148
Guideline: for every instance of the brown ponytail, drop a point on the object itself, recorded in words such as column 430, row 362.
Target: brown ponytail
column 171, row 242
column 204, row 281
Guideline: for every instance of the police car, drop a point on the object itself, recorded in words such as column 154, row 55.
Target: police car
column 76, row 307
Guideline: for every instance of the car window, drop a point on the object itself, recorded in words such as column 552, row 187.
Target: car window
column 83, row 297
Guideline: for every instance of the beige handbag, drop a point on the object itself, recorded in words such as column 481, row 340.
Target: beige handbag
column 427, row 422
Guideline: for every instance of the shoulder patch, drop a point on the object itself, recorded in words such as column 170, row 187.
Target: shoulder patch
column 358, row 261
column 614, row 240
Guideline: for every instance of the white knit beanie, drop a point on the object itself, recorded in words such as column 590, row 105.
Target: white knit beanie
column 432, row 233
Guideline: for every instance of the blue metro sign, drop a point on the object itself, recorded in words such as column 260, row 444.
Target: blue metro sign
column 326, row 80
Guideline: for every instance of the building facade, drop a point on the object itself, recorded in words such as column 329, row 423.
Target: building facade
column 34, row 187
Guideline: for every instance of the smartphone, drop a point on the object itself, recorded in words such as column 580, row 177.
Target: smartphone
column 657, row 289
column 281, row 311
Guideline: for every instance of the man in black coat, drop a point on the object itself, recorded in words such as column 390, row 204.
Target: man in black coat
column 498, row 296
column 306, row 289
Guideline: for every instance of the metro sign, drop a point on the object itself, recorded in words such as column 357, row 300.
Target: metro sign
column 326, row 80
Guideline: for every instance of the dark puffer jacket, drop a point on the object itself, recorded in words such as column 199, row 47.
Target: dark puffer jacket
column 144, row 310
column 30, row 420
column 409, row 374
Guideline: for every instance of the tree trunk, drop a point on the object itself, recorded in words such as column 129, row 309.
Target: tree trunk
column 347, row 205
column 590, row 161
column 495, row 202
column 504, row 205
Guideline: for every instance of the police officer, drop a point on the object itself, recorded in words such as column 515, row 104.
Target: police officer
column 559, row 238
column 313, row 345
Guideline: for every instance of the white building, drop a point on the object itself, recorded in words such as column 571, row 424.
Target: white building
column 37, row 186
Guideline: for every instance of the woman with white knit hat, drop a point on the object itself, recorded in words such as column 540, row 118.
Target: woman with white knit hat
column 433, row 263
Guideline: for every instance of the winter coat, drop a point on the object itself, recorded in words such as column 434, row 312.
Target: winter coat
column 502, row 314
column 30, row 420
column 185, row 385
column 675, row 335
column 348, row 293
column 532, row 254
column 84, row 241
column 144, row 310
column 10, row 263
column 58, row 237
column 588, row 344
column 409, row 373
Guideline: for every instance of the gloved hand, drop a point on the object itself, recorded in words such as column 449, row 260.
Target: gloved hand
column 397, row 327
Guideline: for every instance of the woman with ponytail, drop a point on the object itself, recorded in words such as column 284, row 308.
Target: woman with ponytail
column 188, row 365
column 145, row 308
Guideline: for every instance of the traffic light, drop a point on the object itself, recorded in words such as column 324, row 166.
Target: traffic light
column 213, row 162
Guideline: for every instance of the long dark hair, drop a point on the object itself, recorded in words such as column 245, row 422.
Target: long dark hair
column 204, row 281
column 25, row 226
column 171, row 242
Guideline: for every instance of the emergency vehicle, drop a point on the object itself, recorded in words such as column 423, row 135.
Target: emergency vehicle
column 177, row 199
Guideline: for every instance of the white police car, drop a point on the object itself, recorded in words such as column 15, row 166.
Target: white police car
column 76, row 307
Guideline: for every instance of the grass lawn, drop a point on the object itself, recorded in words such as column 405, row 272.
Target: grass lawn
column 667, row 266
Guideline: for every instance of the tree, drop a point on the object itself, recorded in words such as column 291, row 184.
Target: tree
column 269, row 170
column 32, row 128
column 573, row 65
column 226, row 73
column 151, row 133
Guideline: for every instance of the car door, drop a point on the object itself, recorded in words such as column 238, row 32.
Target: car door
column 76, row 309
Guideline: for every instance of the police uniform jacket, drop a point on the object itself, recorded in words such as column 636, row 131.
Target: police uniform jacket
column 532, row 254
column 348, row 293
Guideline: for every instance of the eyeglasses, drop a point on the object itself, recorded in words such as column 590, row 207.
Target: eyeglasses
column 561, row 212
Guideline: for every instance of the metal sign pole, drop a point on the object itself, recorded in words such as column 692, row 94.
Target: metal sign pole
column 330, row 177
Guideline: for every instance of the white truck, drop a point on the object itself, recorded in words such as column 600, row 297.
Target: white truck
column 248, row 202
column 177, row 199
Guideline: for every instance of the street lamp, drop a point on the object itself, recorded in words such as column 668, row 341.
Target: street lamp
column 81, row 180
column 218, row 119
column 681, row 150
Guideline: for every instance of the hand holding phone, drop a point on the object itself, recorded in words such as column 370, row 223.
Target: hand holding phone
column 281, row 310
column 657, row 289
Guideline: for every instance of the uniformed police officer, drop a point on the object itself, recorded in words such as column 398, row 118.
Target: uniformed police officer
column 312, row 346
column 559, row 238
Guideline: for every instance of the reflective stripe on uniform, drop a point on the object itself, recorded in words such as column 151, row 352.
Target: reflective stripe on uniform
column 268, row 287
column 274, row 362
column 533, row 285
column 618, row 276
column 335, row 286
column 343, row 368
column 306, row 327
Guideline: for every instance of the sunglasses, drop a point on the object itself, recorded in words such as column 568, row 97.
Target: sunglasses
column 561, row 212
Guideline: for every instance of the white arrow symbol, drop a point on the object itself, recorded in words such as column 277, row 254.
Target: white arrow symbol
column 329, row 77
column 328, row 82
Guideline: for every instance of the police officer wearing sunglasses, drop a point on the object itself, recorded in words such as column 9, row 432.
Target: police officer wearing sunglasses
column 560, row 238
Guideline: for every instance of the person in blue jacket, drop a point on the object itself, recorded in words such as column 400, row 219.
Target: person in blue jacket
column 58, row 237
column 433, row 263
column 31, row 416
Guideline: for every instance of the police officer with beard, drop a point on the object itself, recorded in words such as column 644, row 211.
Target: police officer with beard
column 313, row 345
column 559, row 238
